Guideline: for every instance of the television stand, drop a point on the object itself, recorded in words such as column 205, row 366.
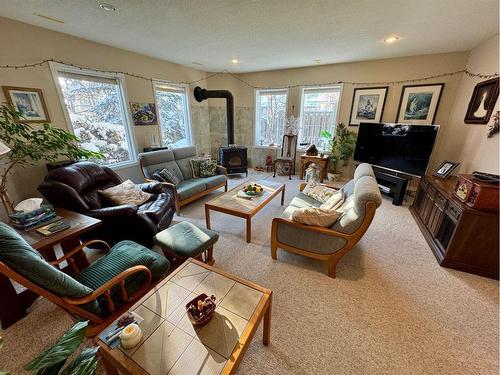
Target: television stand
column 392, row 185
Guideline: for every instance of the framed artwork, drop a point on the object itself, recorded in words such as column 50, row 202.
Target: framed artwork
column 367, row 105
column 445, row 169
column 29, row 102
column 419, row 103
column 482, row 102
column 143, row 113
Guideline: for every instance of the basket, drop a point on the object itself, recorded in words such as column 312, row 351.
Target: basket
column 206, row 314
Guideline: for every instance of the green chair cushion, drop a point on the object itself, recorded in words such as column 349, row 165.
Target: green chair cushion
column 123, row 255
column 212, row 181
column 188, row 188
column 186, row 239
column 23, row 259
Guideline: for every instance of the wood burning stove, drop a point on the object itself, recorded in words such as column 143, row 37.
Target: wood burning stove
column 232, row 157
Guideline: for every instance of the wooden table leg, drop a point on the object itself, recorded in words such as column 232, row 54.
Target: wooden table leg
column 267, row 323
column 283, row 195
column 249, row 229
column 207, row 217
column 110, row 369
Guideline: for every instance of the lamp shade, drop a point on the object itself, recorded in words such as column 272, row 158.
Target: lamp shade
column 4, row 148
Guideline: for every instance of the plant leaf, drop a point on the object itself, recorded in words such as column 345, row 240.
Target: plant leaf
column 61, row 350
column 84, row 364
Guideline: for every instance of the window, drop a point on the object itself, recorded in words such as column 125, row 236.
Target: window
column 95, row 109
column 173, row 111
column 319, row 108
column 270, row 115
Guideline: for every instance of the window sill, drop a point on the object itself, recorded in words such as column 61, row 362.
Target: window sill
column 124, row 165
column 268, row 147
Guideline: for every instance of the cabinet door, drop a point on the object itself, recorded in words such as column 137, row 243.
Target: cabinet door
column 428, row 204
column 436, row 214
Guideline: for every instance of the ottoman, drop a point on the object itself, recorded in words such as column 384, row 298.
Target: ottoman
column 185, row 240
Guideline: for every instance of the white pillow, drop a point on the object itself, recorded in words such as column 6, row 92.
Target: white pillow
column 317, row 216
column 126, row 193
column 335, row 201
column 319, row 192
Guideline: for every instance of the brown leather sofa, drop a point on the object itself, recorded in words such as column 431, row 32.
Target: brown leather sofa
column 76, row 187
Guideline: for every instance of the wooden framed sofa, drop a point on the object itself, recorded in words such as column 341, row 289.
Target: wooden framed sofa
column 362, row 197
column 100, row 292
column 178, row 161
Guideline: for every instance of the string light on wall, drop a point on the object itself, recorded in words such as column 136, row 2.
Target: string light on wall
column 354, row 83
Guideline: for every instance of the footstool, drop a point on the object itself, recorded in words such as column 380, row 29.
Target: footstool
column 185, row 240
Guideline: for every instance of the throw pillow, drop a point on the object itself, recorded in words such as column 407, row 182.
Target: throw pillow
column 126, row 193
column 208, row 168
column 195, row 166
column 317, row 216
column 319, row 192
column 335, row 201
column 166, row 175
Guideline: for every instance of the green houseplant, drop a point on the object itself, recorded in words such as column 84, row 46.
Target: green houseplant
column 340, row 146
column 31, row 144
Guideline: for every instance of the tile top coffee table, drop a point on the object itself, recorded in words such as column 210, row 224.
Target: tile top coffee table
column 172, row 345
column 229, row 203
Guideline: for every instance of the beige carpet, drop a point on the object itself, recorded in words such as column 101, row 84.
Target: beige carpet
column 391, row 309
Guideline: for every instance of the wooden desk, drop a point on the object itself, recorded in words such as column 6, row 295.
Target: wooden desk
column 320, row 161
column 13, row 305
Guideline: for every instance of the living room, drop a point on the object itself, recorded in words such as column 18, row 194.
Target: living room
column 379, row 253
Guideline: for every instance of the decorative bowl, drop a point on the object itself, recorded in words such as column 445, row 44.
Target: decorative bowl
column 198, row 317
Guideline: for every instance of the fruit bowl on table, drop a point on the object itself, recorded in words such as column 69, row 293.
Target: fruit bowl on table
column 253, row 190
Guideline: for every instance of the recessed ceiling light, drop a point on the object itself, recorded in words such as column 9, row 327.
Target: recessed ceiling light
column 317, row 61
column 391, row 39
column 196, row 63
column 107, row 7
column 235, row 61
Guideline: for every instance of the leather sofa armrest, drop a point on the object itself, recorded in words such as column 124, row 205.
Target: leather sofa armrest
column 152, row 187
column 107, row 212
column 221, row 170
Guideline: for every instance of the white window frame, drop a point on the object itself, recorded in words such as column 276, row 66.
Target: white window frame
column 187, row 112
column 257, row 114
column 55, row 68
column 339, row 86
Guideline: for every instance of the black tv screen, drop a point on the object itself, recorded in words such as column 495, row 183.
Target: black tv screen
column 400, row 147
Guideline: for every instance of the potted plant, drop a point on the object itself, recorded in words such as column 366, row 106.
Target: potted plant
column 24, row 145
column 52, row 360
column 341, row 147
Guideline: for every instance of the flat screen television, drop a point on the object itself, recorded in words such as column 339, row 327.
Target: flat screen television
column 398, row 147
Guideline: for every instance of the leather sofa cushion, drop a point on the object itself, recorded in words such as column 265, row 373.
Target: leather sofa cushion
column 188, row 188
column 17, row 254
column 123, row 255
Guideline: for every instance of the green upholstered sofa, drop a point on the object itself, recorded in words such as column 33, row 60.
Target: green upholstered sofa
column 362, row 197
column 99, row 292
column 178, row 161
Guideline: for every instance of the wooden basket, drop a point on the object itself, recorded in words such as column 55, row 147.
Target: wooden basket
column 206, row 314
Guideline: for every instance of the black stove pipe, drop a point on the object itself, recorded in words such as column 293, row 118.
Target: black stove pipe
column 203, row 94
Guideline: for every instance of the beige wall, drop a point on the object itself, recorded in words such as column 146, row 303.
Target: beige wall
column 468, row 143
column 366, row 71
column 25, row 44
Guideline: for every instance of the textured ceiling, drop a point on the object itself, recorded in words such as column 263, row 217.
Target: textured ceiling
column 268, row 34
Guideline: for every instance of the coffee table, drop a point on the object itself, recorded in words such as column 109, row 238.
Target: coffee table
column 229, row 203
column 172, row 345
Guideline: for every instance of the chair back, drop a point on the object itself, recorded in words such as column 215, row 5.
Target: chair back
column 289, row 146
column 76, row 186
column 178, row 160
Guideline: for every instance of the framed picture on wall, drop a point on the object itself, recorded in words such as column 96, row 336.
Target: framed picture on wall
column 367, row 105
column 482, row 102
column 29, row 102
column 419, row 103
column 143, row 113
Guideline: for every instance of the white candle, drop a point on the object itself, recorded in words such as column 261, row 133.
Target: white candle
column 130, row 336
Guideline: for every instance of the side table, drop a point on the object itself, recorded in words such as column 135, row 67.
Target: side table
column 320, row 161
